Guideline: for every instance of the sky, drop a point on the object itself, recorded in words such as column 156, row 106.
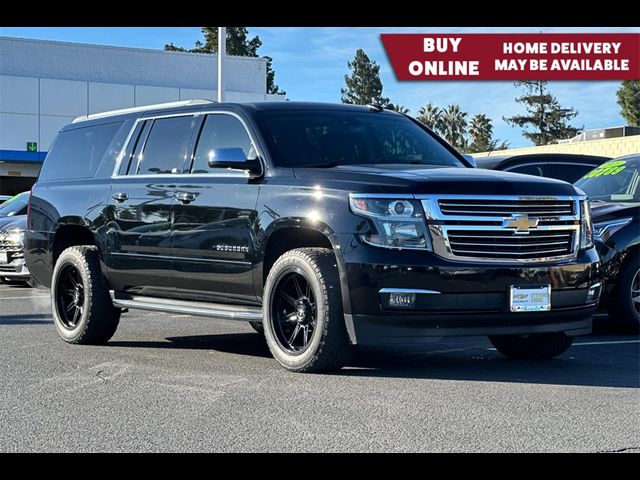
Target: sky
column 310, row 64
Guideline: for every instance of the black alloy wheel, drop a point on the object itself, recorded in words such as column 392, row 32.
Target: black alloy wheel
column 70, row 296
column 294, row 311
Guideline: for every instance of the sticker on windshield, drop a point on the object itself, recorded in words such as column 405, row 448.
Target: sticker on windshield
column 609, row 168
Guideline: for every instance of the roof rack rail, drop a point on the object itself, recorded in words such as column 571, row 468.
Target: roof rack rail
column 144, row 108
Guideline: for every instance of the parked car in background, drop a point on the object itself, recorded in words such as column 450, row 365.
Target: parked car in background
column 4, row 198
column 13, row 222
column 614, row 191
column 563, row 166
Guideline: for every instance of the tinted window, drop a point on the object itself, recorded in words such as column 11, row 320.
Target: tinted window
column 615, row 181
column 314, row 138
column 166, row 146
column 539, row 170
column 220, row 131
column 15, row 206
column 77, row 153
column 570, row 173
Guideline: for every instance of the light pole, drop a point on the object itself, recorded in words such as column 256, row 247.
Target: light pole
column 222, row 48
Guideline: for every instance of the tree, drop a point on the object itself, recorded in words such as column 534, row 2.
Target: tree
column 481, row 134
column 364, row 83
column 431, row 116
column 237, row 44
column 544, row 113
column 453, row 126
column 398, row 108
column 629, row 100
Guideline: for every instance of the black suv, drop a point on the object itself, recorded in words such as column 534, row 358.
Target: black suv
column 324, row 226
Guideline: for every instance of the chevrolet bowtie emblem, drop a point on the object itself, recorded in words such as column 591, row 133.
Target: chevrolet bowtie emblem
column 521, row 223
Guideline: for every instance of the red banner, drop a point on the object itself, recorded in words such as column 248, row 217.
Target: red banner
column 497, row 56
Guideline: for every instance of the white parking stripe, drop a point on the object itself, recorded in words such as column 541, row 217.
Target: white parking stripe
column 21, row 298
column 607, row 343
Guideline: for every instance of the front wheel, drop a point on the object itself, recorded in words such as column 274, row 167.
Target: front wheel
column 302, row 313
column 625, row 308
column 82, row 309
column 537, row 346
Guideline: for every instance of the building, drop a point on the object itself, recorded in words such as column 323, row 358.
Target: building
column 45, row 85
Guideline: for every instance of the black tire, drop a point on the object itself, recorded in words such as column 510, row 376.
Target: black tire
column 623, row 310
column 82, row 309
column 537, row 346
column 321, row 330
column 257, row 327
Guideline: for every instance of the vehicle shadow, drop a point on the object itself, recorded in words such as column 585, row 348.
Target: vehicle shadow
column 609, row 365
column 26, row 319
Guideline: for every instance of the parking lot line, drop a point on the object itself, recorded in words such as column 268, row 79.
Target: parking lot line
column 20, row 298
column 613, row 342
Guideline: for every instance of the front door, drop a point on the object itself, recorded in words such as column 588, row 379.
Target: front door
column 139, row 231
column 214, row 230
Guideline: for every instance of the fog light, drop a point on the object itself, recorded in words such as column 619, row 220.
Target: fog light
column 594, row 293
column 402, row 300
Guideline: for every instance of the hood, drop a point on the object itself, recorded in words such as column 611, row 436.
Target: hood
column 603, row 211
column 17, row 222
column 391, row 178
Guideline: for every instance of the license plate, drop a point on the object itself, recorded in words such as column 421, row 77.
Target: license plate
column 4, row 257
column 533, row 298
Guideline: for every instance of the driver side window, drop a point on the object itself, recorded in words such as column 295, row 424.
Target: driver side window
column 220, row 131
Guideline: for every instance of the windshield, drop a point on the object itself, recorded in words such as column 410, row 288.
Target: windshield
column 15, row 206
column 317, row 138
column 615, row 181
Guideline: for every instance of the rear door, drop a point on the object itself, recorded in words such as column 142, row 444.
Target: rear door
column 142, row 194
column 214, row 229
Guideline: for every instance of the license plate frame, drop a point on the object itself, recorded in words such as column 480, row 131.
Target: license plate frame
column 529, row 298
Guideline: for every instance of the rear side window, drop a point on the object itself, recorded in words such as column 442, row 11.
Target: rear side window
column 539, row 170
column 166, row 146
column 571, row 172
column 77, row 153
column 220, row 131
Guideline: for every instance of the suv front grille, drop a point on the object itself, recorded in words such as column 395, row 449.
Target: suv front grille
column 502, row 228
column 6, row 246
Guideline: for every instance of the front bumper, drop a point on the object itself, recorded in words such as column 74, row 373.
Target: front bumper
column 469, row 298
column 15, row 270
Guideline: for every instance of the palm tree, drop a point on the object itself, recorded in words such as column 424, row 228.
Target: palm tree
column 481, row 133
column 454, row 126
column 430, row 115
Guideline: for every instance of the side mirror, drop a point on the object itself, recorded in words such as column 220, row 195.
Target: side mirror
column 232, row 158
column 471, row 160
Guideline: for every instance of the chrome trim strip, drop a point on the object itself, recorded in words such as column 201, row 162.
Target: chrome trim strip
column 417, row 291
column 178, row 258
column 144, row 108
column 198, row 311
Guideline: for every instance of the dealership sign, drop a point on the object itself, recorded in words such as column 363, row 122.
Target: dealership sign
column 480, row 56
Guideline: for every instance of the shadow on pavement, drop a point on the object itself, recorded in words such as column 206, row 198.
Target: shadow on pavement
column 609, row 365
column 26, row 319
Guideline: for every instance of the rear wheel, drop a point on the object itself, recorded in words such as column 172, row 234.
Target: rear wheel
column 303, row 320
column 537, row 346
column 82, row 309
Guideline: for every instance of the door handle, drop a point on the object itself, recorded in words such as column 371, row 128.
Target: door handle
column 185, row 197
column 120, row 197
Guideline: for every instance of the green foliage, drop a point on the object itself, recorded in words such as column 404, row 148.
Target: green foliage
column 628, row 96
column 548, row 119
column 481, row 135
column 431, row 116
column 397, row 108
column 453, row 126
column 238, row 43
column 364, row 84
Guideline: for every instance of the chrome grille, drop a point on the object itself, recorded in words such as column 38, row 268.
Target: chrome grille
column 487, row 228
column 6, row 246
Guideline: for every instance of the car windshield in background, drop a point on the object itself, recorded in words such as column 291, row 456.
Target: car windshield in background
column 615, row 181
column 15, row 206
column 323, row 138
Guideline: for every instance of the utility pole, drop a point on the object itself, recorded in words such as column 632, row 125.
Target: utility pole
column 222, row 50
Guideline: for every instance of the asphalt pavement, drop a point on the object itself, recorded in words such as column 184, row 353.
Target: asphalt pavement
column 180, row 383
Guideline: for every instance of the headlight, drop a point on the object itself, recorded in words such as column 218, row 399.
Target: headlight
column 397, row 222
column 604, row 230
column 15, row 236
column 586, row 227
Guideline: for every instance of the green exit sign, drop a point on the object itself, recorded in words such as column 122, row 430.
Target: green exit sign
column 32, row 146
